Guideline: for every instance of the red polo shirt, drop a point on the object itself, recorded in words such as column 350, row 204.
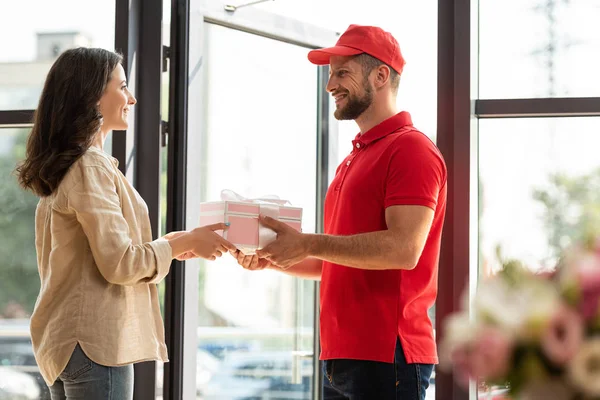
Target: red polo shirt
column 363, row 311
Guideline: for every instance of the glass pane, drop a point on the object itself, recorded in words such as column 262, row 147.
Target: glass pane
column 19, row 279
column 260, row 139
column 538, row 48
column 108, row 143
column 164, row 110
column 163, row 220
column 30, row 48
column 418, row 87
column 539, row 187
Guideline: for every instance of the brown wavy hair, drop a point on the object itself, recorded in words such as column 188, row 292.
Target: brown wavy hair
column 67, row 118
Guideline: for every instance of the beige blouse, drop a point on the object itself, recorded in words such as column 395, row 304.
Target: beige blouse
column 99, row 268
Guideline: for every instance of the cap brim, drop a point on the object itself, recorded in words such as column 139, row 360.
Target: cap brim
column 322, row 56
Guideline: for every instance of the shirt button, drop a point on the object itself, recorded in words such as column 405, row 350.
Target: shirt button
column 358, row 145
column 348, row 162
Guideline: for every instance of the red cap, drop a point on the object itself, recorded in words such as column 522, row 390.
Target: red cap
column 363, row 39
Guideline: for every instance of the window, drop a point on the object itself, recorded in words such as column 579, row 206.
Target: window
column 530, row 177
column 19, row 279
column 164, row 106
column 26, row 55
column 539, row 187
column 417, row 36
column 30, row 48
column 259, row 137
column 538, row 48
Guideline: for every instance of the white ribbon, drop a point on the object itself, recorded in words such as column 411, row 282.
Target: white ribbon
column 269, row 206
column 230, row 195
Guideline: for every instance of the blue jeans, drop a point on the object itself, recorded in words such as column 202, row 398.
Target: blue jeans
column 83, row 379
column 369, row 380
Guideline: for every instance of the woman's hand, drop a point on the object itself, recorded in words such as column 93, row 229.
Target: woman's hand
column 207, row 244
column 199, row 242
column 185, row 256
column 174, row 234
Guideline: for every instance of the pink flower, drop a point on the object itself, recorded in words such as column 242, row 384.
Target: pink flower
column 588, row 272
column 563, row 335
column 590, row 302
column 463, row 371
column 488, row 357
column 596, row 246
column 546, row 275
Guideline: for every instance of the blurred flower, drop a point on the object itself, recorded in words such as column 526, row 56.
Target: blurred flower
column 516, row 314
column 493, row 353
column 563, row 335
column 459, row 331
column 460, row 358
column 580, row 280
column 588, row 278
column 522, row 310
column 590, row 303
column 584, row 368
column 588, row 271
column 488, row 356
column 545, row 390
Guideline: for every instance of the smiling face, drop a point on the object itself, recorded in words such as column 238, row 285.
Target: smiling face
column 349, row 84
column 116, row 102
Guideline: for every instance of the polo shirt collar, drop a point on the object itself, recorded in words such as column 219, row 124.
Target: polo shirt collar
column 386, row 127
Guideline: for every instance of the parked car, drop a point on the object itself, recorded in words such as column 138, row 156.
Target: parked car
column 259, row 376
column 206, row 366
column 17, row 385
column 16, row 353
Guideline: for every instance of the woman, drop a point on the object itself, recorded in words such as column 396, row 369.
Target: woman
column 98, row 311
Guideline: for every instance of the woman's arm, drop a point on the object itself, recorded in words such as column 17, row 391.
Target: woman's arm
column 97, row 207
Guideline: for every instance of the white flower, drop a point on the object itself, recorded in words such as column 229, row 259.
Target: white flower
column 584, row 368
column 458, row 330
column 522, row 309
column 545, row 390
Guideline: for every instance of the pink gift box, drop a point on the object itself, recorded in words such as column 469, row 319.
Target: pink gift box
column 245, row 231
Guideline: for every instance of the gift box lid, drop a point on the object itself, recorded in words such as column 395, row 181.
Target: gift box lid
column 246, row 208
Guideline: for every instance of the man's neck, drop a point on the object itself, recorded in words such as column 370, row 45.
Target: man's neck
column 375, row 115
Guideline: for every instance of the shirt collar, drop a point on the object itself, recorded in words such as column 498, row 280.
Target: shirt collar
column 104, row 154
column 386, row 127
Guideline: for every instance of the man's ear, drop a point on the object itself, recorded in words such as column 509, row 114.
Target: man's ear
column 383, row 75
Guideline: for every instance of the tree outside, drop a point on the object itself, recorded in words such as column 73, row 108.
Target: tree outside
column 19, row 278
column 571, row 209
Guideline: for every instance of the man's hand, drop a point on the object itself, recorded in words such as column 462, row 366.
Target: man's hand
column 290, row 247
column 250, row 262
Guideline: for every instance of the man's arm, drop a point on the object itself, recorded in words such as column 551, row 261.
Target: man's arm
column 398, row 247
column 310, row 268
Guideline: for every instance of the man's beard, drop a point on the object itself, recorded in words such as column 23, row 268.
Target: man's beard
column 355, row 106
